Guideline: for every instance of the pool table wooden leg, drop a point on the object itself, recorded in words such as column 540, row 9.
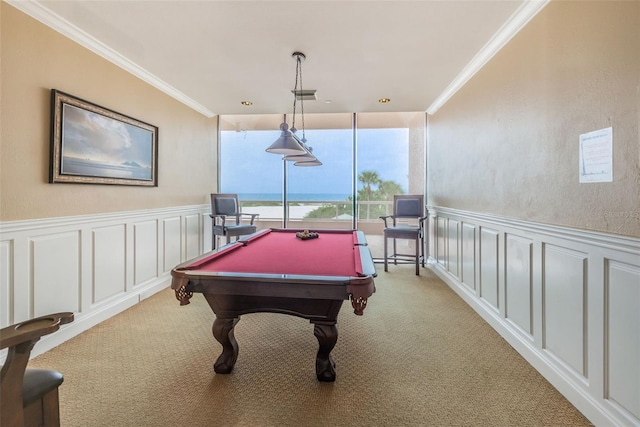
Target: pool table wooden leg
column 327, row 335
column 223, row 332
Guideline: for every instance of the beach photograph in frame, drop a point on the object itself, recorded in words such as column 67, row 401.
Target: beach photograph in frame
column 91, row 144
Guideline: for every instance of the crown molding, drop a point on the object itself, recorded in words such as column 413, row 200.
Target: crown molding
column 514, row 24
column 41, row 13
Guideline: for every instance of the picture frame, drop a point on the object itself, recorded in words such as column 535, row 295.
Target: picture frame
column 91, row 144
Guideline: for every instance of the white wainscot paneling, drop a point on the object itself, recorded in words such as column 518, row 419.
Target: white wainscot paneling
column 146, row 251
column 441, row 227
column 564, row 301
column 489, row 266
column 452, row 250
column 55, row 262
column 518, row 282
column 623, row 336
column 568, row 300
column 109, row 260
column 468, row 255
column 6, row 249
column 172, row 248
column 93, row 265
column 193, row 234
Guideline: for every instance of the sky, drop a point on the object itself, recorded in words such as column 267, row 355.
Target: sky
column 87, row 135
column 248, row 168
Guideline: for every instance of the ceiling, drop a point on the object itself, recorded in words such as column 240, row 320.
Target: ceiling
column 212, row 55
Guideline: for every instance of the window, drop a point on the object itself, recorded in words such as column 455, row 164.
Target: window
column 322, row 196
column 245, row 168
column 390, row 160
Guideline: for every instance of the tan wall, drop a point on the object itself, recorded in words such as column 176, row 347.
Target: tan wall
column 507, row 143
column 36, row 59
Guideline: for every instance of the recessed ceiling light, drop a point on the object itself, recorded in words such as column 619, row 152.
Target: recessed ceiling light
column 247, row 103
column 328, row 101
column 384, row 100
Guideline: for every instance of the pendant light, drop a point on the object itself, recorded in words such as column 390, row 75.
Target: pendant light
column 293, row 148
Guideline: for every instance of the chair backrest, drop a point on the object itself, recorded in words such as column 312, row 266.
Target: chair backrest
column 408, row 206
column 224, row 204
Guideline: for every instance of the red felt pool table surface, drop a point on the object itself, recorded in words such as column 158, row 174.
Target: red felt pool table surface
column 276, row 251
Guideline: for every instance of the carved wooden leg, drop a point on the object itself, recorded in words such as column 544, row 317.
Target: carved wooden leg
column 223, row 332
column 327, row 335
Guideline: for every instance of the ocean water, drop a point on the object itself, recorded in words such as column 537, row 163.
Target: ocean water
column 293, row 197
column 86, row 167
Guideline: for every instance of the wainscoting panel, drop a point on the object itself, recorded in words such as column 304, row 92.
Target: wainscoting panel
column 95, row 265
column 109, row 276
column 489, row 266
column 564, row 302
column 567, row 300
column 518, row 282
column 145, row 236
column 55, row 262
column 440, row 241
column 623, row 335
column 452, row 249
column 193, row 226
column 172, row 248
column 468, row 256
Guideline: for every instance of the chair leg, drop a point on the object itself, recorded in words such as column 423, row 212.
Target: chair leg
column 51, row 409
column 417, row 256
column 386, row 267
column 395, row 252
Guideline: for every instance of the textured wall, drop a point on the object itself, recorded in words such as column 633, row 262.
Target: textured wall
column 507, row 143
column 36, row 59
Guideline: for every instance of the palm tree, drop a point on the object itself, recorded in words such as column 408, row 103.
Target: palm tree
column 369, row 178
column 387, row 189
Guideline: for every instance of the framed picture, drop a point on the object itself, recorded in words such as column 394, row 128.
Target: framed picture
column 94, row 145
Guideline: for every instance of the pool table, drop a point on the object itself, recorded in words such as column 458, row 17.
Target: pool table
column 276, row 271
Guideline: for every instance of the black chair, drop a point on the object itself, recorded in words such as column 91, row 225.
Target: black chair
column 407, row 222
column 29, row 396
column 227, row 220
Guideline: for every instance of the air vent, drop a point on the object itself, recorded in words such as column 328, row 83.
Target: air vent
column 306, row 95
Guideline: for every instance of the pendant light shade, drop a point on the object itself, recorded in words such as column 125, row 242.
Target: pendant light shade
column 286, row 144
column 306, row 157
column 315, row 162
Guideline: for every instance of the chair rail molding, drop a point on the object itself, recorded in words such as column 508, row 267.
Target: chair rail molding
column 95, row 266
column 568, row 300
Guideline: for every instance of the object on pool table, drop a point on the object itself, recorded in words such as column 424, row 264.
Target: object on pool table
column 306, row 235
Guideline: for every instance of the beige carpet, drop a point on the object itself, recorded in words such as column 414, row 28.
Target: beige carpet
column 418, row 357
